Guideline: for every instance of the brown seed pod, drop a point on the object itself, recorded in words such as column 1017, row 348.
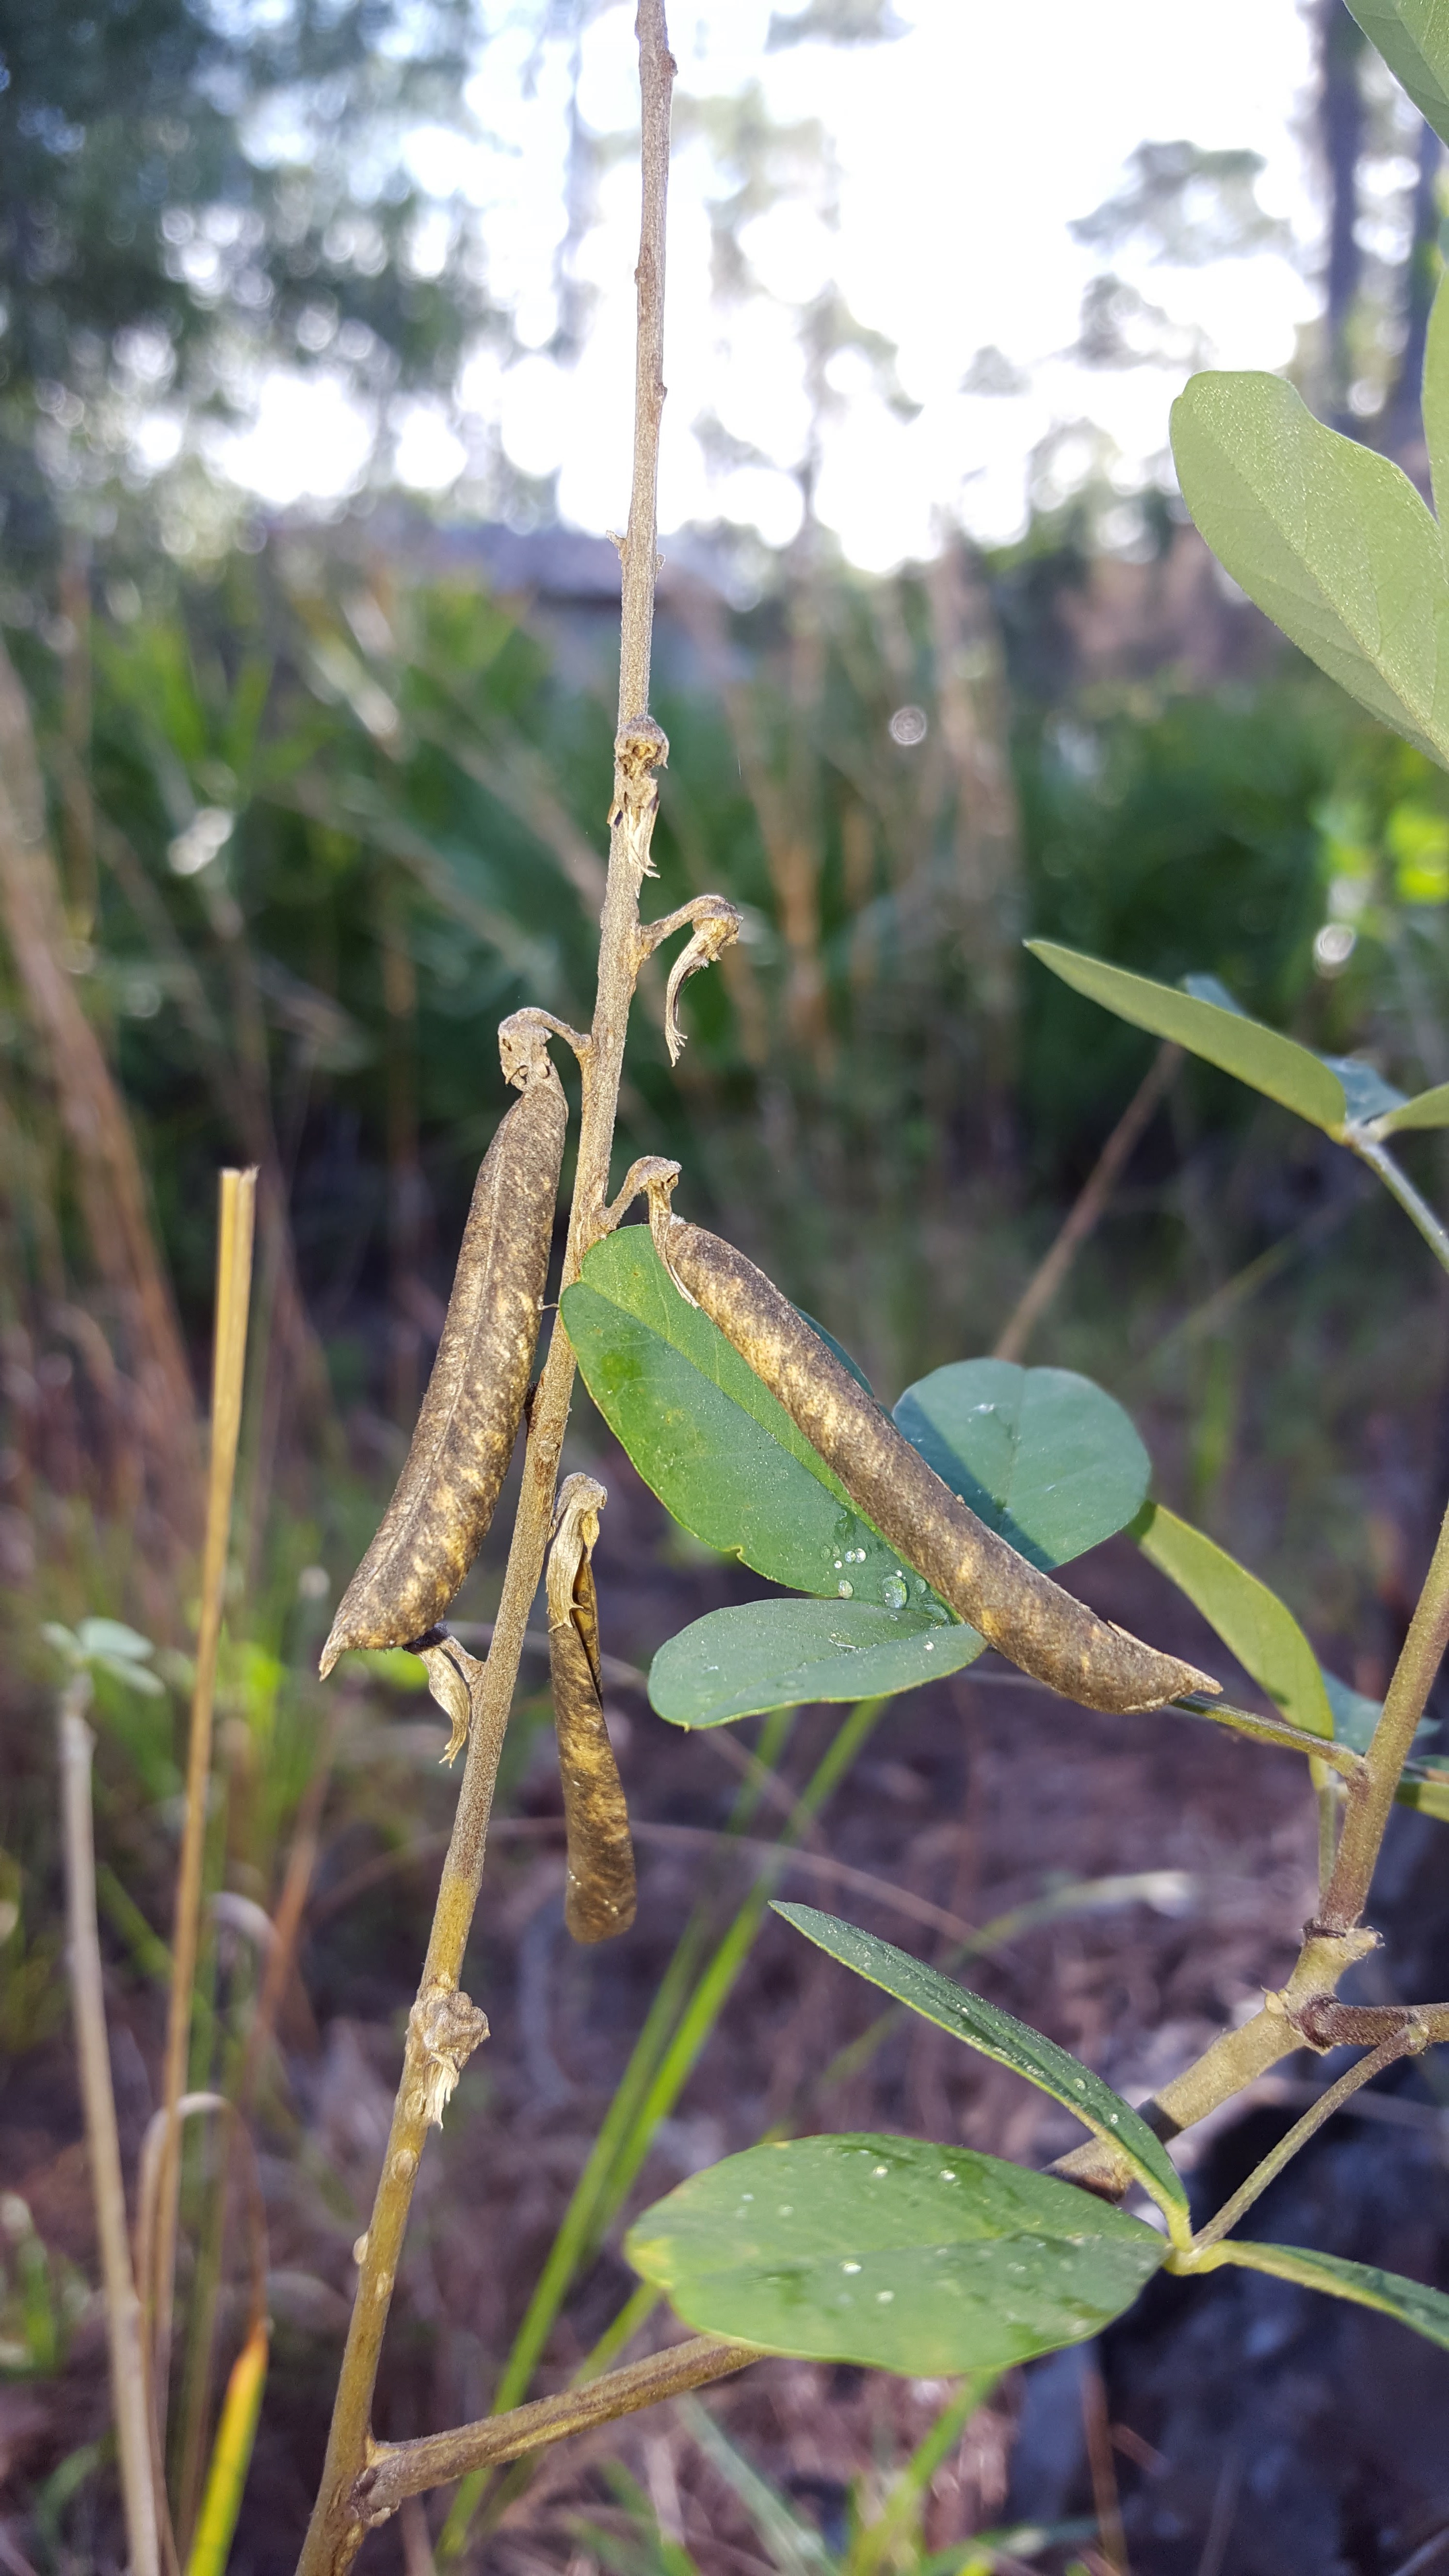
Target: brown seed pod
column 600, row 1896
column 1021, row 1612
column 439, row 1514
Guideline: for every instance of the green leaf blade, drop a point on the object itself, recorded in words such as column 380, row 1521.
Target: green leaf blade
column 722, row 1455
column 1413, row 37
column 789, row 1654
column 1252, row 1622
column 1424, row 2311
column 1262, row 1057
column 1331, row 540
column 999, row 2035
column 1041, row 1455
column 893, row 2253
column 1426, row 1109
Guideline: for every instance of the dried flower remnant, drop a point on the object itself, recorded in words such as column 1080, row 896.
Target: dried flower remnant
column 453, row 1678
column 1019, row 1611
column 600, row 1895
column 445, row 1498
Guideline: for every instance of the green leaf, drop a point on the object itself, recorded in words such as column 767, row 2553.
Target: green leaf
column 1426, row 2311
column 722, row 1455
column 137, row 1677
column 1370, row 1099
column 109, row 1637
column 1041, row 1455
column 1279, row 1066
column 892, row 2253
column 1413, row 37
column 1426, row 1109
column 998, row 2034
column 1251, row 1621
column 1436, row 399
column 1331, row 540
column 1425, row 1786
column 786, row 1654
column 1354, row 1715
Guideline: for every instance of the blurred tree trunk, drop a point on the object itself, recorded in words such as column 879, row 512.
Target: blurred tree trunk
column 111, row 1186
column 1402, row 424
column 1341, row 136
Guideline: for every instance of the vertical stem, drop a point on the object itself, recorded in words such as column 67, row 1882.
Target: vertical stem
column 640, row 549
column 1368, row 1813
column 123, row 2307
column 336, row 2529
column 233, row 1294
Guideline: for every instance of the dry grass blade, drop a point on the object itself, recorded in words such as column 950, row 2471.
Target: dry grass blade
column 123, row 2306
column 233, row 1297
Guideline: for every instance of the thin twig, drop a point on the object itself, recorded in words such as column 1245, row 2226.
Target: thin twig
column 1104, row 2473
column 398, row 2469
column 336, row 2529
column 1399, row 1186
column 123, row 2306
column 233, row 1294
column 1400, row 2043
column 1096, row 1190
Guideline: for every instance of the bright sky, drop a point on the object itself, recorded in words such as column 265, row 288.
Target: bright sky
column 963, row 150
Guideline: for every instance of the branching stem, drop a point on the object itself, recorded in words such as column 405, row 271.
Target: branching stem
column 338, row 2523
column 400, row 2469
column 1403, row 2042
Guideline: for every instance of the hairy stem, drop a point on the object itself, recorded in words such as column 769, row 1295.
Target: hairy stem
column 337, row 2527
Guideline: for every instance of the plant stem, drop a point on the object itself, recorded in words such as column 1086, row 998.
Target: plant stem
column 1368, row 1813
column 336, row 2530
column 640, row 547
column 233, row 1296
column 1400, row 2043
column 395, row 2470
column 1277, row 1730
column 630, row 2141
column 123, row 2306
column 1380, row 1160
column 1085, row 1214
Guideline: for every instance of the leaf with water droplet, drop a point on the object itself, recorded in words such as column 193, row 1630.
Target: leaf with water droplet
column 1042, row 1456
column 710, row 1439
column 1011, row 2042
column 786, row 1654
column 924, row 2286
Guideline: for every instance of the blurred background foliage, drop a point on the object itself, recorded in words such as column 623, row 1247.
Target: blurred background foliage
column 292, row 813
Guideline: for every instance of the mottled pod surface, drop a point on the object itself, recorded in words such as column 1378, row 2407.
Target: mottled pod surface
column 438, row 1517
column 1020, row 1611
column 599, row 1898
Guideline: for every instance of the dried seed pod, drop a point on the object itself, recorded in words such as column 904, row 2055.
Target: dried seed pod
column 1020, row 1611
column 600, row 1896
column 439, row 1514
